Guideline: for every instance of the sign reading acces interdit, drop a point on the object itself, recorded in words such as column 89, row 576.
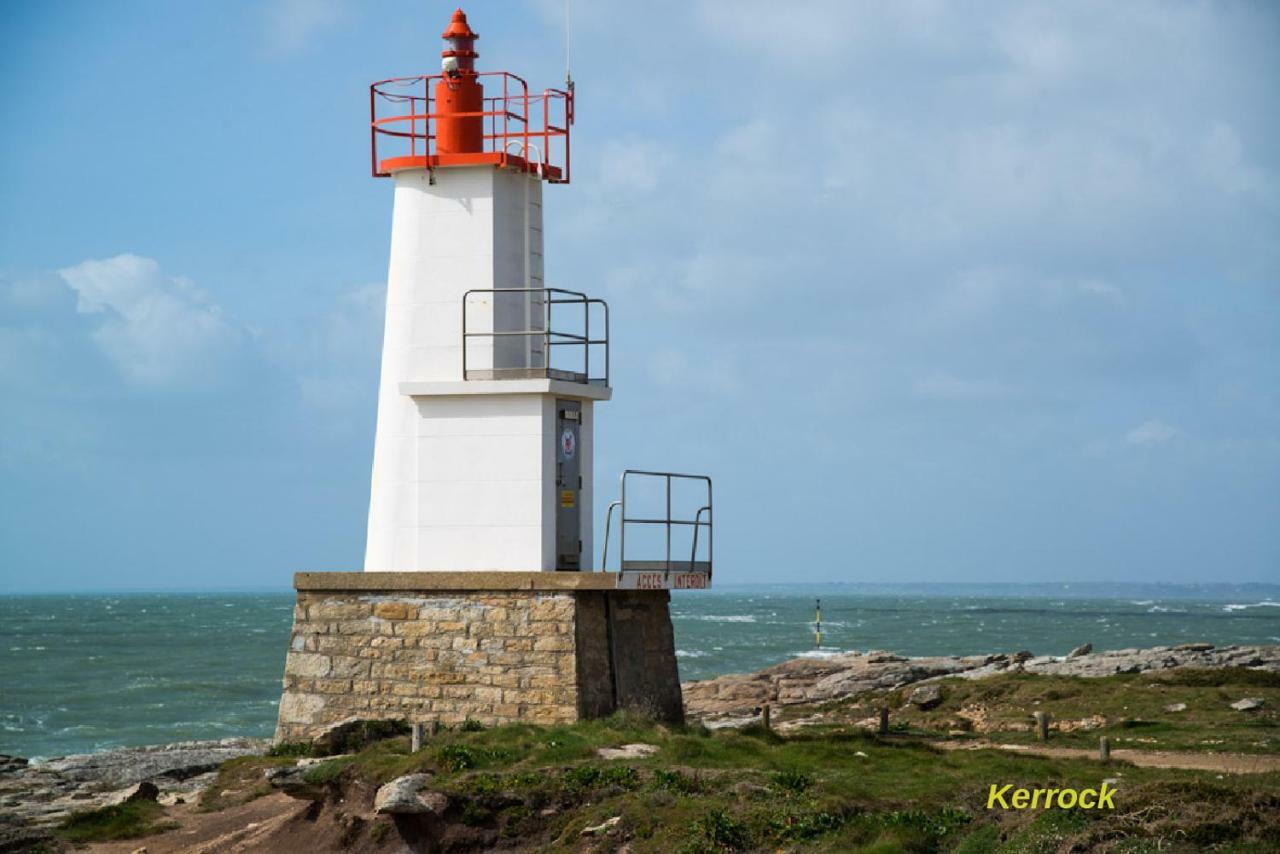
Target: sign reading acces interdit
column 1009, row 798
column 663, row 581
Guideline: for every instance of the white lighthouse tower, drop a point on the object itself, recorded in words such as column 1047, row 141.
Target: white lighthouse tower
column 479, row 598
column 482, row 458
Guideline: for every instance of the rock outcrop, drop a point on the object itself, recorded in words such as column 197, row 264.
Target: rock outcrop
column 817, row 680
column 1248, row 704
column 41, row 794
column 408, row 795
column 926, row 696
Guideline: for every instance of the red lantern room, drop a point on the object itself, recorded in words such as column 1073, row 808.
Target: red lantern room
column 441, row 120
column 459, row 94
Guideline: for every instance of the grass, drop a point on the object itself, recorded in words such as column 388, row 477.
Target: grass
column 1130, row 707
column 829, row 788
column 129, row 820
column 241, row 780
column 837, row 787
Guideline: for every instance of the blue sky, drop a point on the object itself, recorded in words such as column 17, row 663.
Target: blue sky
column 934, row 291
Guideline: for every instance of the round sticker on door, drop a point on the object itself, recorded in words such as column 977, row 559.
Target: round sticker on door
column 568, row 444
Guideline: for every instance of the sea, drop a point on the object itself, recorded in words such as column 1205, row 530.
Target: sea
column 80, row 673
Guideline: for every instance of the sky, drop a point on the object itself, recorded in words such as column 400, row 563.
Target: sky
column 934, row 291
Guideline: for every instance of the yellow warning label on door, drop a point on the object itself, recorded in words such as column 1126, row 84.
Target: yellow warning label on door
column 567, row 498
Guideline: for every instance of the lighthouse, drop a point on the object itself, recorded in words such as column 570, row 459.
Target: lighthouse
column 482, row 456
column 481, row 596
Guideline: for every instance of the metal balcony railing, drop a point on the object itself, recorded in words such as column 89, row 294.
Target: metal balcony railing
column 403, row 120
column 668, row 563
column 530, row 337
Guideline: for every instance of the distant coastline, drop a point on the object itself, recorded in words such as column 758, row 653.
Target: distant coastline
column 1068, row 589
column 126, row 669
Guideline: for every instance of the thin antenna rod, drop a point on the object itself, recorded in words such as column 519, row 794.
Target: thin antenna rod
column 568, row 78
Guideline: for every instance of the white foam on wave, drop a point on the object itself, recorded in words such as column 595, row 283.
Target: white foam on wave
column 1266, row 604
column 690, row 653
column 819, row 653
column 729, row 618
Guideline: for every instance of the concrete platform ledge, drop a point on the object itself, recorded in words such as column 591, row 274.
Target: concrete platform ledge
column 430, row 581
column 463, row 388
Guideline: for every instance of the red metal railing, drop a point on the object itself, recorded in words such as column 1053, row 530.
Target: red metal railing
column 521, row 129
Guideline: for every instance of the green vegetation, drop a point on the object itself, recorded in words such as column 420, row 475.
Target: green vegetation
column 824, row 788
column 240, row 781
column 292, row 748
column 129, row 820
column 1131, row 709
column 328, row 771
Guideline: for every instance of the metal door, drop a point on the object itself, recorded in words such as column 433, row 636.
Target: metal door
column 568, row 484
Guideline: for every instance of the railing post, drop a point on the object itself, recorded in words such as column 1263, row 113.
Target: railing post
column 373, row 133
column 622, row 525
column 711, row 531
column 668, row 479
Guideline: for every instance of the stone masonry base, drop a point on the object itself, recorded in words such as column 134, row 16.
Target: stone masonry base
column 548, row 654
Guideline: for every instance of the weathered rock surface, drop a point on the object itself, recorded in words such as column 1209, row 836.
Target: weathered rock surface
column 18, row 835
column 408, row 795
column 144, row 791
column 627, row 751
column 816, row 680
column 926, row 696
column 292, row 779
column 41, row 793
column 603, row 827
column 1082, row 649
column 1248, row 704
column 353, row 733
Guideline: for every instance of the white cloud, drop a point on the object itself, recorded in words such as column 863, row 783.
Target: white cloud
column 945, row 387
column 155, row 329
column 724, row 282
column 631, row 167
column 1224, row 164
column 1152, row 432
column 669, row 367
column 703, row 373
column 293, row 24
column 336, row 363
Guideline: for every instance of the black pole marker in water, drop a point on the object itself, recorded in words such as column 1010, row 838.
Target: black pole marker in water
column 817, row 624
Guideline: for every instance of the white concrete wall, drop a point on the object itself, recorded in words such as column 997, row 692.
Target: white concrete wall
column 463, row 481
column 478, row 491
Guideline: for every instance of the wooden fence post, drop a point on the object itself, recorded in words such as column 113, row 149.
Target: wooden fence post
column 1042, row 725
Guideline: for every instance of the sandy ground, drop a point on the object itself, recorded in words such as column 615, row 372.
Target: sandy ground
column 236, row 829
column 1223, row 763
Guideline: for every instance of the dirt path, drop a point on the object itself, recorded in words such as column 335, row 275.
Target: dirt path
column 1225, row 763
column 235, row 829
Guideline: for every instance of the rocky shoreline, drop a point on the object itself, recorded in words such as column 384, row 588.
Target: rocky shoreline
column 35, row 796
column 819, row 680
